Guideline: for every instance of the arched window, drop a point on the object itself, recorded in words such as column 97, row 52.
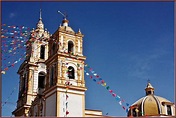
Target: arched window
column 149, row 92
column 42, row 52
column 70, row 47
column 71, row 72
column 41, row 80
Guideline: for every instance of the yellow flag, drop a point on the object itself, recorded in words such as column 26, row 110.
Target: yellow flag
column 104, row 84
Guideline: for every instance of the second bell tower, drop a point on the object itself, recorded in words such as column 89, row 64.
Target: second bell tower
column 65, row 64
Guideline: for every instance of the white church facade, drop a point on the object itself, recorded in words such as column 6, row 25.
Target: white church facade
column 52, row 76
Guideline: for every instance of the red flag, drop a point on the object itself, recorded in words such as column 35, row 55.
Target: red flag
column 67, row 112
column 102, row 81
column 113, row 94
column 110, row 91
column 66, row 97
column 97, row 76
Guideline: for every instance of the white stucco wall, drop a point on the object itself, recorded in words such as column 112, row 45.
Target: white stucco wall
column 51, row 105
column 62, row 107
column 74, row 106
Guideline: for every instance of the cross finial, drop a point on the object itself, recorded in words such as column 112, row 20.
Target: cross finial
column 63, row 14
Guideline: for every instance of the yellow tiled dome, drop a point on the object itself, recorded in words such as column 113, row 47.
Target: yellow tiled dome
column 151, row 105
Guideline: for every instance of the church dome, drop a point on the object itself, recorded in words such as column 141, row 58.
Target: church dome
column 151, row 105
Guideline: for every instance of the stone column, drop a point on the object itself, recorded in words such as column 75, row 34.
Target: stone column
column 79, row 77
column 63, row 71
column 83, row 81
column 81, row 46
column 76, row 46
column 30, row 81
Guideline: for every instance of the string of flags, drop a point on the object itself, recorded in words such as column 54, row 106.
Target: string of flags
column 12, row 103
column 14, row 32
column 15, row 41
column 3, row 71
column 6, row 101
column 13, row 44
column 21, row 94
column 96, row 78
column 67, row 83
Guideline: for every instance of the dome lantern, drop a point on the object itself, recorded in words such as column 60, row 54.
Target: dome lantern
column 65, row 22
column 149, row 89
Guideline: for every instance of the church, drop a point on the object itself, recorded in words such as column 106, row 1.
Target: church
column 52, row 78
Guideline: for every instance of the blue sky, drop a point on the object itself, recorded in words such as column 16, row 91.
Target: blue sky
column 126, row 43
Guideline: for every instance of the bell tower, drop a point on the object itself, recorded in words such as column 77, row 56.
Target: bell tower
column 65, row 64
column 32, row 71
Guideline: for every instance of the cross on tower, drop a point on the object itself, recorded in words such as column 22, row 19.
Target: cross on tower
column 63, row 14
